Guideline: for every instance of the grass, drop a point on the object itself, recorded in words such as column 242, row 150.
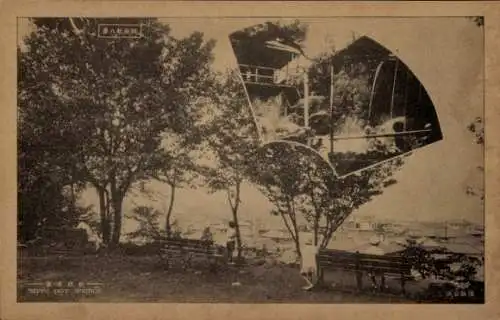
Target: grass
column 145, row 279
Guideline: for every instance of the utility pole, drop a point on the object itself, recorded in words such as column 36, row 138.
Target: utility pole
column 306, row 99
column 394, row 86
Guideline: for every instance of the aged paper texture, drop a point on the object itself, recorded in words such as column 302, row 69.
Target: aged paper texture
column 249, row 160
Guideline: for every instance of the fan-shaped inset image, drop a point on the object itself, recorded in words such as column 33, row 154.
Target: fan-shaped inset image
column 357, row 107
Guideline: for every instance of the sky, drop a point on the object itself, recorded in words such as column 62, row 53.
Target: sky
column 446, row 54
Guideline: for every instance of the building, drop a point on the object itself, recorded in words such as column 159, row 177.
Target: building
column 360, row 224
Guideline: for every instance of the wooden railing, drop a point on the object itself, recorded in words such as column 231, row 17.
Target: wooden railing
column 264, row 75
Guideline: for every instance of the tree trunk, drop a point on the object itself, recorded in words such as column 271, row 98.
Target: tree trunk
column 234, row 209
column 73, row 199
column 108, row 216
column 104, row 216
column 316, row 227
column 295, row 228
column 116, row 202
column 238, row 234
column 117, row 215
column 327, row 234
column 168, row 226
column 297, row 247
column 295, row 233
column 317, row 216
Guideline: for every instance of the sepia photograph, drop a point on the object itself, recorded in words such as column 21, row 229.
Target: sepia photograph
column 251, row 160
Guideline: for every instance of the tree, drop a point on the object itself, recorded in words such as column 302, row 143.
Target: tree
column 47, row 143
column 351, row 90
column 302, row 185
column 123, row 95
column 179, row 170
column 149, row 227
column 459, row 268
column 334, row 199
column 281, row 174
column 231, row 137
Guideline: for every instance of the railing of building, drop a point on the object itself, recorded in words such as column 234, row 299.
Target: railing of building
column 267, row 75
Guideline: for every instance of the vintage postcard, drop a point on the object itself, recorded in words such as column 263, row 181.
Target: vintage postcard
column 237, row 159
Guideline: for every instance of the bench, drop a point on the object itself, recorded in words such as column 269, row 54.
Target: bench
column 186, row 251
column 360, row 263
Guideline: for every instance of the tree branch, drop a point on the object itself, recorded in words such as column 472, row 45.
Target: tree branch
column 282, row 213
column 77, row 31
column 228, row 193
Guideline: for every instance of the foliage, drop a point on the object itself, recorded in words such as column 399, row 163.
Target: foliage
column 419, row 258
column 296, row 180
column 456, row 267
column 46, row 148
column 36, row 214
column 91, row 218
column 335, row 199
column 179, row 171
column 116, row 99
column 280, row 173
column 302, row 185
column 230, row 136
column 351, row 91
column 249, row 44
column 148, row 220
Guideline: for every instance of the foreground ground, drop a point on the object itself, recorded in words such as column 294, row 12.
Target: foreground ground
column 145, row 279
